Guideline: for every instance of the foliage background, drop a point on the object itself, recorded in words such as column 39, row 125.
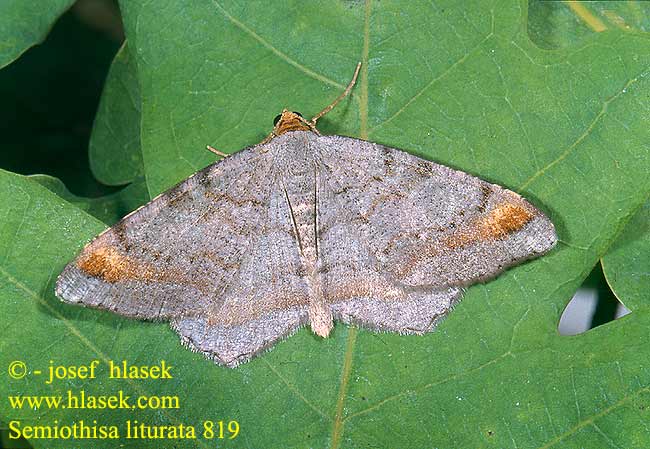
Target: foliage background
column 547, row 98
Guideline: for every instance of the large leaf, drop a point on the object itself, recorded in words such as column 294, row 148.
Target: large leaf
column 458, row 83
column 24, row 23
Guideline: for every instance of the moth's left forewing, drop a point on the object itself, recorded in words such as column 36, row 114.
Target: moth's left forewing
column 429, row 225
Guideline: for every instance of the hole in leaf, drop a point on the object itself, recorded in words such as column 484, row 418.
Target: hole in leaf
column 593, row 304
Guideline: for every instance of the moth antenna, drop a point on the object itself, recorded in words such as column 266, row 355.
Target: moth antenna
column 215, row 151
column 345, row 93
column 310, row 123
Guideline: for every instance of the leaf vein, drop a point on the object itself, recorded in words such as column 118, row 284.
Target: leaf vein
column 295, row 390
column 430, row 385
column 278, row 53
column 589, row 421
column 431, row 83
column 579, row 140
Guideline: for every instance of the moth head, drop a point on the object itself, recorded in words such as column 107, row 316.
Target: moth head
column 290, row 121
column 286, row 115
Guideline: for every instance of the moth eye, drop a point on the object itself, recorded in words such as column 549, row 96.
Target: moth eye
column 276, row 119
column 297, row 113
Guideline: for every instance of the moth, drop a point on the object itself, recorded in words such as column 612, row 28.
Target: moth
column 305, row 229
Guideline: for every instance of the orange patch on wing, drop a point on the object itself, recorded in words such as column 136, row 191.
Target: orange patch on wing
column 504, row 219
column 108, row 264
column 501, row 221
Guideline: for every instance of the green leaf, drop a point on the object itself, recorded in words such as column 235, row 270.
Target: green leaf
column 108, row 208
column 114, row 151
column 24, row 24
column 626, row 264
column 459, row 83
